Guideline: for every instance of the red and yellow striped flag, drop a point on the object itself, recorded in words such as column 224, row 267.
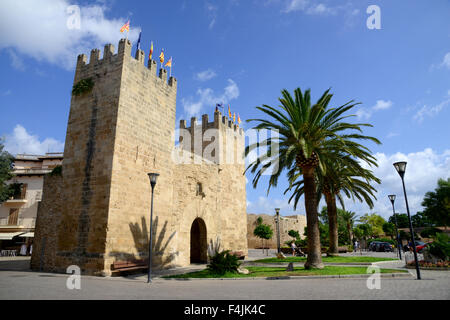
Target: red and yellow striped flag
column 161, row 56
column 151, row 52
column 229, row 111
column 234, row 117
column 239, row 119
column 126, row 26
column 169, row 63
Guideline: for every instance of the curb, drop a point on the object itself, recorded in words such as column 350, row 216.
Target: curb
column 341, row 276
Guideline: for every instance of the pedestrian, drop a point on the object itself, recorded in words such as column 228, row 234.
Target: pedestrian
column 23, row 250
column 293, row 246
column 356, row 245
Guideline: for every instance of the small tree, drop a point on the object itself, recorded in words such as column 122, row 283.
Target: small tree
column 389, row 229
column 294, row 234
column 6, row 161
column 264, row 232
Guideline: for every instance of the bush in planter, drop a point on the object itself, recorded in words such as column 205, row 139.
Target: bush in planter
column 223, row 262
column 440, row 247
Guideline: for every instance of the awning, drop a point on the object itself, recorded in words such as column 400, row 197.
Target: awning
column 27, row 235
column 9, row 235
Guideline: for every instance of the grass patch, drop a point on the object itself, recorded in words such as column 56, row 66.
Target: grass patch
column 281, row 272
column 336, row 259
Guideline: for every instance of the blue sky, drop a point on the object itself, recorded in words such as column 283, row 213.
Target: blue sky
column 244, row 53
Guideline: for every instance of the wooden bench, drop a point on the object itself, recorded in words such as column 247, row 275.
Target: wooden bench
column 126, row 266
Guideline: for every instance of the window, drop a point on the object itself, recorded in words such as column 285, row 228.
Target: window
column 199, row 189
column 13, row 217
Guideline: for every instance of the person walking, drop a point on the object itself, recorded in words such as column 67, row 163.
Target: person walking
column 293, row 246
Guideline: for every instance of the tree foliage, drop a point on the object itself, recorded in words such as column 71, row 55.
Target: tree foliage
column 376, row 223
column 437, row 204
column 6, row 173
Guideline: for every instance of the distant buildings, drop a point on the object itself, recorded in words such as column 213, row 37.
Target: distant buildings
column 18, row 214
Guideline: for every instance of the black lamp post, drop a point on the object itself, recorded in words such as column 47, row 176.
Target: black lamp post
column 153, row 177
column 392, row 198
column 401, row 168
column 277, row 210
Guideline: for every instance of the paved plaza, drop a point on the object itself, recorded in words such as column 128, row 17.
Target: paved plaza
column 17, row 282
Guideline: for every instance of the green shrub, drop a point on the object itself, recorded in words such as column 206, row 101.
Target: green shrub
column 82, row 86
column 223, row 262
column 440, row 247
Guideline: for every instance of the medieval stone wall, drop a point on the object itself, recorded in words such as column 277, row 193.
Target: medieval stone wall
column 295, row 222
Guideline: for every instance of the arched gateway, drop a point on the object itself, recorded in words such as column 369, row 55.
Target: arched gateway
column 198, row 241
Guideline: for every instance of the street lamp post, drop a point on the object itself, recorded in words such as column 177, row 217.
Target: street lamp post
column 392, row 198
column 277, row 210
column 401, row 168
column 153, row 177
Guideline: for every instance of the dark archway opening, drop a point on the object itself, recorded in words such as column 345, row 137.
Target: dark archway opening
column 198, row 242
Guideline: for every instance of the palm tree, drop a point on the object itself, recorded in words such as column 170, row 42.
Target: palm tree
column 307, row 135
column 346, row 176
column 349, row 217
column 354, row 182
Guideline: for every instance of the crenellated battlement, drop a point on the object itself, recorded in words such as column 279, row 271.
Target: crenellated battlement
column 220, row 122
column 111, row 59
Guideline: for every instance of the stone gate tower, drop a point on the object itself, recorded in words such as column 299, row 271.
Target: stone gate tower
column 98, row 211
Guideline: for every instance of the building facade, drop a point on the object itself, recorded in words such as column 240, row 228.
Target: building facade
column 117, row 133
column 18, row 214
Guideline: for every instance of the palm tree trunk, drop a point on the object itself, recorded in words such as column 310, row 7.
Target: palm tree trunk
column 314, row 260
column 332, row 223
column 349, row 230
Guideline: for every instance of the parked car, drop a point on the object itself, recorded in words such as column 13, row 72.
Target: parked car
column 374, row 245
column 385, row 247
column 420, row 246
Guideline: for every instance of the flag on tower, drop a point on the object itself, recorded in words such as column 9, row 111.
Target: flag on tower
column 161, row 56
column 169, row 63
column 151, row 52
column 239, row 119
column 138, row 46
column 234, row 117
column 126, row 27
column 229, row 111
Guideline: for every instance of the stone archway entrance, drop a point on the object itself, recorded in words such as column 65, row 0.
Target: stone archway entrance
column 198, row 242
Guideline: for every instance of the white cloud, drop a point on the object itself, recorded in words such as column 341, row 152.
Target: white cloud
column 446, row 61
column 320, row 9
column 423, row 170
column 427, row 111
column 16, row 61
column 365, row 114
column 38, row 29
column 212, row 14
column 207, row 97
column 205, row 75
column 296, row 5
column 382, row 105
column 20, row 141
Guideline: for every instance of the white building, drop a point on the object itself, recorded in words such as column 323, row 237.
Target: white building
column 18, row 214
